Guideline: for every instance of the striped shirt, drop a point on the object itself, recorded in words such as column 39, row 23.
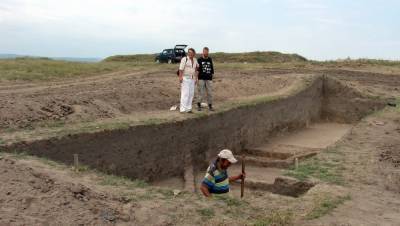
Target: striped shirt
column 217, row 181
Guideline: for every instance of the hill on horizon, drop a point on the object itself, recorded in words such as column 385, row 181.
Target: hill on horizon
column 72, row 59
column 222, row 57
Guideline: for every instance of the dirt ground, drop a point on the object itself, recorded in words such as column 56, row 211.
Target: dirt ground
column 40, row 192
column 371, row 170
column 31, row 105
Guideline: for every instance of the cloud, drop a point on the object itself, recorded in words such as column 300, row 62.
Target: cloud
column 307, row 5
column 316, row 28
column 102, row 18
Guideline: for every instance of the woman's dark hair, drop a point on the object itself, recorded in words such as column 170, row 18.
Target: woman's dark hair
column 191, row 49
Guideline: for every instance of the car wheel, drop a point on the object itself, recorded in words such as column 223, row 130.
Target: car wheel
column 169, row 61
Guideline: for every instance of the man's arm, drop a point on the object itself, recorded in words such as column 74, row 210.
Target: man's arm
column 212, row 66
column 180, row 75
column 238, row 177
column 204, row 190
column 207, row 184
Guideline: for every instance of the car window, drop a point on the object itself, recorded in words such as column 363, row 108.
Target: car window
column 164, row 52
column 170, row 51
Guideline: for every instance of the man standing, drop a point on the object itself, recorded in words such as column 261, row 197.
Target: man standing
column 188, row 77
column 216, row 180
column 206, row 72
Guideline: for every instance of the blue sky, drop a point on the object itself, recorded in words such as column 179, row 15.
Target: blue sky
column 316, row 29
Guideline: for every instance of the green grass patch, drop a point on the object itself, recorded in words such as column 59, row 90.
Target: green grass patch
column 49, row 162
column 249, row 57
column 325, row 206
column 137, row 58
column 206, row 212
column 276, row 218
column 153, row 121
column 397, row 102
column 20, row 155
column 327, row 169
column 166, row 193
column 112, row 180
column 257, row 57
column 44, row 160
column 91, row 127
column 230, row 201
column 30, row 69
column 357, row 63
column 83, row 168
column 145, row 196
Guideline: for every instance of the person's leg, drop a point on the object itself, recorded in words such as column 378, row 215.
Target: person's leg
column 209, row 94
column 200, row 93
column 191, row 94
column 184, row 95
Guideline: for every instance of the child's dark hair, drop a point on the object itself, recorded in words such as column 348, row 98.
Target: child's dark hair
column 191, row 49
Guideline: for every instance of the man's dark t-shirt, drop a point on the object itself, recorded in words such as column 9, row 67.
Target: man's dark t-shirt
column 206, row 68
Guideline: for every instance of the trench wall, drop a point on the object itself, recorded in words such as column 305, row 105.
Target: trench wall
column 344, row 104
column 152, row 152
column 158, row 151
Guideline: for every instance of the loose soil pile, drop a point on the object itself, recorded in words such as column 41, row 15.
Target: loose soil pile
column 391, row 154
column 32, row 197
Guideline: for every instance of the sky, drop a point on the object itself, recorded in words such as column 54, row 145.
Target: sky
column 316, row 29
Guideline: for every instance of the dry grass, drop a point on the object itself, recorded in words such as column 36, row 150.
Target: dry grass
column 30, row 69
column 325, row 205
column 250, row 57
column 43, row 69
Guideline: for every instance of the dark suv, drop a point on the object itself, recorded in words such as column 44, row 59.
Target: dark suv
column 171, row 55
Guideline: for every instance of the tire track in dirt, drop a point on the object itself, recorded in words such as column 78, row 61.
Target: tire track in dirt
column 26, row 88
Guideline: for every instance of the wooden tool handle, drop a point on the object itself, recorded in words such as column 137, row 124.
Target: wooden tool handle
column 242, row 182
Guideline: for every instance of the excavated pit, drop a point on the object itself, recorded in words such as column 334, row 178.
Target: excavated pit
column 169, row 153
column 266, row 164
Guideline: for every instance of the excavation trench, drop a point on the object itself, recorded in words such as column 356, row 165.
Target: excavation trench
column 173, row 151
column 266, row 164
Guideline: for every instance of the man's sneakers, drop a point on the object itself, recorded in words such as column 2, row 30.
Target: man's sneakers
column 199, row 108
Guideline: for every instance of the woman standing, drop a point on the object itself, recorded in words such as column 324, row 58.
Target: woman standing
column 188, row 77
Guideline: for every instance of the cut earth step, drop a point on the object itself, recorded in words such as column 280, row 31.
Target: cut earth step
column 277, row 163
column 271, row 180
column 278, row 151
column 282, row 186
